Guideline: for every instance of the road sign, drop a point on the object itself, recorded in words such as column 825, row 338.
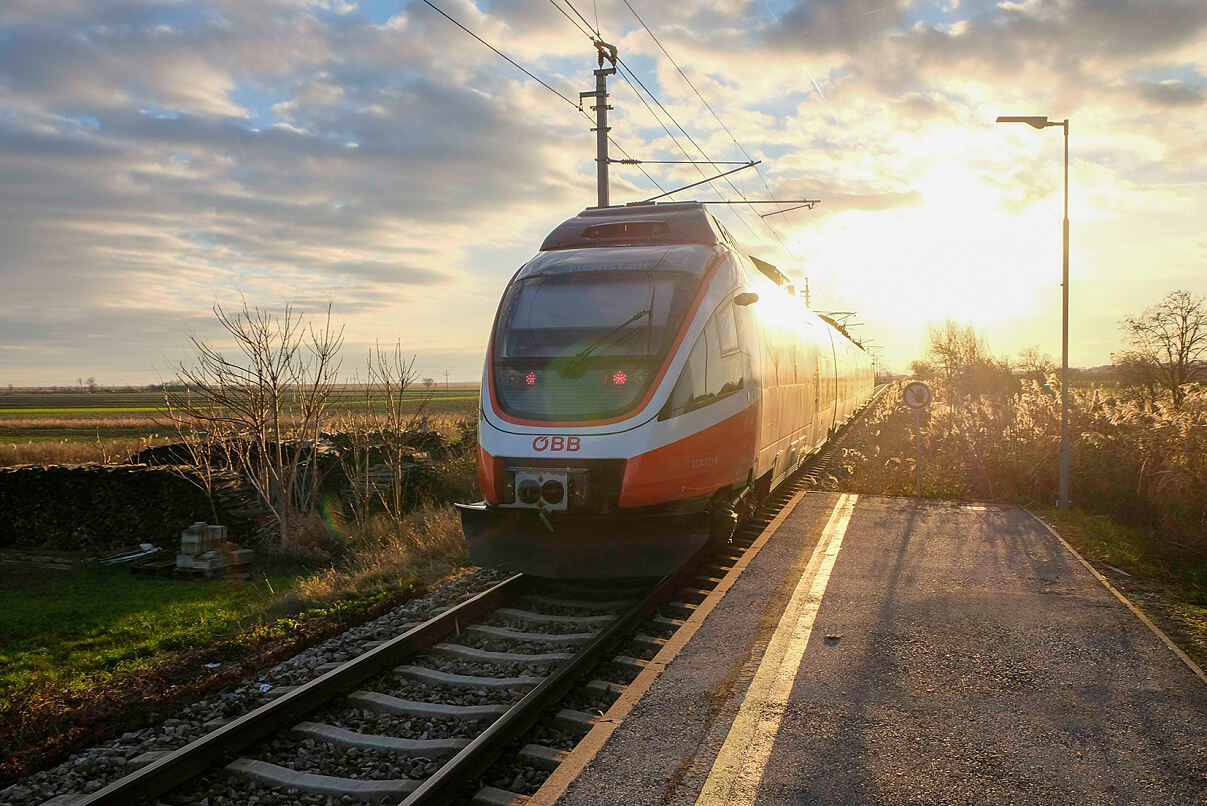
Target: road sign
column 917, row 395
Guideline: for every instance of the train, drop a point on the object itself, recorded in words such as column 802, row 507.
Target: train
column 646, row 384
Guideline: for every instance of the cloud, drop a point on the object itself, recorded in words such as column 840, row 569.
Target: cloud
column 155, row 157
column 1170, row 93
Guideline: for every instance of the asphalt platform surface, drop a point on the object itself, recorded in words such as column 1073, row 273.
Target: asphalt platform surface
column 971, row 659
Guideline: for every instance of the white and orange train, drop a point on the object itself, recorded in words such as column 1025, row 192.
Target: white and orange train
column 645, row 382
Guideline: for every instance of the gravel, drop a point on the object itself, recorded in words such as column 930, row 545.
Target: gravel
column 221, row 789
column 90, row 770
column 516, row 776
column 452, row 665
column 493, row 644
column 523, row 625
column 401, row 726
column 422, row 692
column 320, row 758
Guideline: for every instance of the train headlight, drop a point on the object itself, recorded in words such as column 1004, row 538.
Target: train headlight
column 529, row 491
column 553, row 491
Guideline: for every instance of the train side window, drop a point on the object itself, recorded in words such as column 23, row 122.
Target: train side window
column 727, row 329
column 692, row 387
column 710, row 373
column 724, row 367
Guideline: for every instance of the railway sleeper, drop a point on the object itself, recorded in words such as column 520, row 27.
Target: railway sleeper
column 431, row 676
column 607, row 605
column 508, row 634
column 385, row 704
column 628, row 666
column 664, row 623
column 470, row 653
column 648, row 643
column 572, row 721
column 342, row 737
column 605, row 689
column 546, row 618
column 542, row 757
column 493, row 796
column 362, row 790
column 681, row 610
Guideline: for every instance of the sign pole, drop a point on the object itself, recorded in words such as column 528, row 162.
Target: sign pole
column 918, row 453
column 917, row 396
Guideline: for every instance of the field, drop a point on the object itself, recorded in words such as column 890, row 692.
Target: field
column 92, row 652
column 109, row 425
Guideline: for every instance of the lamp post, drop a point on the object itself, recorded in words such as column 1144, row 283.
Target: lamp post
column 1042, row 123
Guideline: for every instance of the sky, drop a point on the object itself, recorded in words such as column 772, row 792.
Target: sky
column 157, row 158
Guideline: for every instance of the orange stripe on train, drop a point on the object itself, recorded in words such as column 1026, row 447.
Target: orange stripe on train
column 696, row 465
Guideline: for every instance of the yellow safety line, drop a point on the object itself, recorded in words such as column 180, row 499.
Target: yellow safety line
column 586, row 750
column 738, row 768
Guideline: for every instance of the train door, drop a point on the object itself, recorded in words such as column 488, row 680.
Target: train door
column 815, row 434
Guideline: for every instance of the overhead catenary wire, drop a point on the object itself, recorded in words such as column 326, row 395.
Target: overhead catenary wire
column 593, row 33
column 707, row 105
column 630, row 77
column 500, row 53
column 534, row 77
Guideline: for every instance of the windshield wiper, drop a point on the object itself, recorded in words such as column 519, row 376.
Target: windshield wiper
column 578, row 364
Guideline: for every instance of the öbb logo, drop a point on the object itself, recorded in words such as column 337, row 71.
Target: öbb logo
column 555, row 443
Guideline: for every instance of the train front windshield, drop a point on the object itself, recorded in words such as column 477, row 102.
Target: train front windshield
column 582, row 333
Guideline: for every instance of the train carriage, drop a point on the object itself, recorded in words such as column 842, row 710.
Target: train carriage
column 644, row 380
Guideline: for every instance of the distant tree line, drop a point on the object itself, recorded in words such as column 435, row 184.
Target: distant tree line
column 1164, row 355
column 1138, row 426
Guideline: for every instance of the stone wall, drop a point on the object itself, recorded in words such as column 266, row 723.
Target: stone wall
column 98, row 508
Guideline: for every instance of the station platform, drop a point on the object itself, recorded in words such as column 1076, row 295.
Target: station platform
column 876, row 651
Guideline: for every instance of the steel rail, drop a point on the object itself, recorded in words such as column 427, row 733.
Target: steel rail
column 197, row 756
column 473, row 760
column 447, row 783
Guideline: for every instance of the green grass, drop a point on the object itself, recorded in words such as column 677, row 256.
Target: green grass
column 1140, row 552
column 80, row 627
column 1168, row 585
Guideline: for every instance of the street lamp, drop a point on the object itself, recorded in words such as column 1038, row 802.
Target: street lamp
column 1041, row 123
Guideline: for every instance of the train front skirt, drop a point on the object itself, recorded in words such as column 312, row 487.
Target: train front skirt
column 578, row 547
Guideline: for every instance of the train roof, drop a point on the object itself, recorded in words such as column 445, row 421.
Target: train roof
column 643, row 224
column 649, row 224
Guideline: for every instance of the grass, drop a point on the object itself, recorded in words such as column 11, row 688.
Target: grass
column 62, row 451
column 1172, row 591
column 94, row 652
column 76, row 629
column 67, row 435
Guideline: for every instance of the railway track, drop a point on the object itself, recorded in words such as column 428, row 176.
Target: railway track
column 495, row 690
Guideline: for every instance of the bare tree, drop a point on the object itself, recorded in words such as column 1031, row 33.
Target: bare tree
column 1169, row 342
column 1138, row 373
column 953, row 349
column 1034, row 364
column 380, row 454
column 428, row 383
column 263, row 405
